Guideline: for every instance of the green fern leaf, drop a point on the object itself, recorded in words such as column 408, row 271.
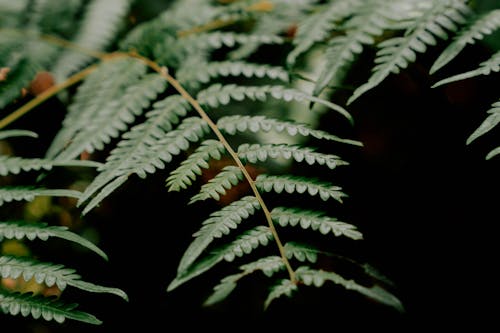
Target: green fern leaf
column 256, row 152
column 244, row 244
column 301, row 252
column 318, row 26
column 11, row 11
column 217, row 225
column 492, row 65
column 133, row 149
column 268, row 265
column 14, row 165
column 31, row 231
column 476, row 30
column 106, row 84
column 101, row 22
column 223, row 289
column 194, row 73
column 208, row 41
column 15, row 133
column 114, row 118
column 488, row 124
column 283, row 288
column 314, row 220
column 228, row 177
column 291, row 184
column 183, row 176
column 368, row 22
column 317, row 278
column 17, row 193
column 398, row 52
column 122, row 164
column 50, row 274
column 493, row 153
column 219, row 94
column 42, row 307
column 233, row 124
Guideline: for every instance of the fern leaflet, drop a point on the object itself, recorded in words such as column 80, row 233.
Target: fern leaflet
column 228, row 177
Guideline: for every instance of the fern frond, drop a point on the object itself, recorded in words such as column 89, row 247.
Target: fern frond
column 42, row 307
column 397, row 53
column 318, row 26
column 259, row 153
column 122, row 163
column 233, row 124
column 107, row 83
column 477, row 29
column 268, row 266
column 115, row 116
column 244, row 244
column 292, row 184
column 301, row 252
column 486, row 126
column 101, row 22
column 186, row 173
column 20, row 230
column 285, row 287
column 367, row 22
column 209, row 41
column 50, row 274
column 217, row 225
column 14, row 165
column 18, row 193
column 219, row 94
column 492, row 65
column 317, row 278
column 195, row 73
column 314, row 220
column 16, row 132
column 216, row 187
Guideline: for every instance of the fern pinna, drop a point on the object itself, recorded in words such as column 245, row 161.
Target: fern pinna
column 188, row 89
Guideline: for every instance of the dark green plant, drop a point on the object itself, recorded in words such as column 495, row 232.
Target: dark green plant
column 197, row 88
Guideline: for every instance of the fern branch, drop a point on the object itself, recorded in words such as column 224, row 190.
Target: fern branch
column 16, row 133
column 228, row 177
column 217, row 225
column 398, row 52
column 476, row 30
column 42, row 307
column 485, row 68
column 318, row 26
column 94, row 96
column 50, row 274
column 256, row 152
column 268, row 266
column 233, row 124
column 368, row 22
column 114, row 117
column 244, row 244
column 183, row 176
column 8, row 194
column 101, row 22
column 314, row 220
column 42, row 231
column 317, row 278
column 215, row 129
column 301, row 252
column 283, row 288
column 291, row 184
column 14, row 165
column 219, row 94
column 194, row 73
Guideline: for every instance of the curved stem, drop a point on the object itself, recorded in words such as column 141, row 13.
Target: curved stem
column 194, row 103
